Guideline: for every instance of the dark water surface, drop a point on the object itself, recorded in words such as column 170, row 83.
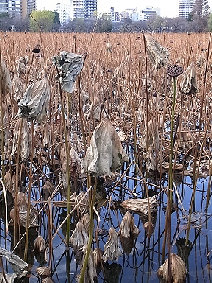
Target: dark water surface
column 142, row 262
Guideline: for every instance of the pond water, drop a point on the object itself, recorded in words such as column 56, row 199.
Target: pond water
column 143, row 256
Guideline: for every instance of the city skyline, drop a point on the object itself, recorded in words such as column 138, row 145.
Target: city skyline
column 166, row 10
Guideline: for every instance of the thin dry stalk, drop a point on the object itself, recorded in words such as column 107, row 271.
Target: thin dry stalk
column 29, row 193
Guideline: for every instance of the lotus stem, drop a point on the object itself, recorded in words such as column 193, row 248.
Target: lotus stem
column 29, row 193
column 91, row 228
column 16, row 216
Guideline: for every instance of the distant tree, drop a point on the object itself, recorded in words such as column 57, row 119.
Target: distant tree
column 42, row 20
column 103, row 24
column 5, row 21
column 200, row 15
column 210, row 23
column 201, row 8
column 155, row 23
column 177, row 24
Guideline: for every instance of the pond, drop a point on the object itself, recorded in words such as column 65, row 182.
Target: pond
column 140, row 257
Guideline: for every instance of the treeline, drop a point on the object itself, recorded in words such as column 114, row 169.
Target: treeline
column 199, row 20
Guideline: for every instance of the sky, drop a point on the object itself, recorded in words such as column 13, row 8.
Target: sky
column 168, row 8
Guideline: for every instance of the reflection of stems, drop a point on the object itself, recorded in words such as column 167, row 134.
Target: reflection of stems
column 91, row 227
column 209, row 186
column 195, row 178
column 29, row 194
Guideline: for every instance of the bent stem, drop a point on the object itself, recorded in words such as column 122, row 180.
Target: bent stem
column 91, row 228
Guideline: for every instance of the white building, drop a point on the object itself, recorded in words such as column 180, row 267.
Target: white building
column 185, row 8
column 149, row 12
column 132, row 14
column 65, row 12
column 85, row 9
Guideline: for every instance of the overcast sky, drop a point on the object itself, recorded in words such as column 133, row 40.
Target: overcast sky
column 168, row 8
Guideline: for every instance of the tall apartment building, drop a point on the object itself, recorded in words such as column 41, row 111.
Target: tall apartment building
column 185, row 8
column 65, row 12
column 84, row 8
column 90, row 9
column 17, row 8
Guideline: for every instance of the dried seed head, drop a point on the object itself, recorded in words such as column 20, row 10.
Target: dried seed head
column 36, row 49
column 69, row 66
column 178, row 270
column 174, row 70
column 158, row 54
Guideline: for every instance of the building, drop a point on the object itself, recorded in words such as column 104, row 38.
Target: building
column 85, row 9
column 78, row 9
column 65, row 12
column 130, row 14
column 149, row 12
column 185, row 8
column 114, row 16
column 17, row 8
column 90, row 7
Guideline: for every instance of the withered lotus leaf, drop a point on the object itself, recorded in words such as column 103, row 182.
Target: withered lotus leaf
column 69, row 66
column 35, row 101
column 141, row 205
column 111, row 248
column 105, row 153
column 127, row 226
column 178, row 270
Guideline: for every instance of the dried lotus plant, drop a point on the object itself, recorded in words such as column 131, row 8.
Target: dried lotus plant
column 97, row 257
column 21, row 64
column 141, row 205
column 74, row 164
column 188, row 84
column 39, row 245
column 127, row 226
column 19, row 266
column 43, row 271
column 69, row 66
column 22, row 204
column 79, row 238
column 158, row 54
column 105, row 153
column 111, row 248
column 35, row 101
column 25, row 139
column 6, row 83
column 178, row 270
column 90, row 273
